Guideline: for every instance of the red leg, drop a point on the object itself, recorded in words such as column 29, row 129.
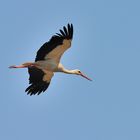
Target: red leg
column 21, row 66
column 25, row 65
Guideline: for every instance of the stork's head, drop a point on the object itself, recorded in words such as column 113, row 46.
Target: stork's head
column 78, row 72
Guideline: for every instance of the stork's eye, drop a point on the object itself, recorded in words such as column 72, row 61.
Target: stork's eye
column 79, row 71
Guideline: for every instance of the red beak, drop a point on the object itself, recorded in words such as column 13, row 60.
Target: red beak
column 83, row 75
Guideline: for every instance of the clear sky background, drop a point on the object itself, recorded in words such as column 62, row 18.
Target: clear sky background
column 106, row 46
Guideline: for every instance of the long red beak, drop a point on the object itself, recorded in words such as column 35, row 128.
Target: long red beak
column 83, row 75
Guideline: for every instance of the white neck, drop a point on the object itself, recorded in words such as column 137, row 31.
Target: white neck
column 68, row 71
column 62, row 69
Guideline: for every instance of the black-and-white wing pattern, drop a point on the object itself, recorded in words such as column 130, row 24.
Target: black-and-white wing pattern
column 55, row 42
column 37, row 85
column 53, row 49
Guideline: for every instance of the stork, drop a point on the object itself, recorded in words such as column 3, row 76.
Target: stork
column 47, row 62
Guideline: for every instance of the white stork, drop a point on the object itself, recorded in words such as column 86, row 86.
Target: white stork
column 47, row 62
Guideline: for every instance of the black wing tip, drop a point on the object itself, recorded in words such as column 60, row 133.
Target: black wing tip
column 37, row 89
column 67, row 32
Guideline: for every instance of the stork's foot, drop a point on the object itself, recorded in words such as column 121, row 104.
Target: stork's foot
column 12, row 67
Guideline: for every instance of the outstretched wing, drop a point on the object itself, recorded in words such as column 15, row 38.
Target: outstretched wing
column 53, row 49
column 39, row 81
column 57, row 45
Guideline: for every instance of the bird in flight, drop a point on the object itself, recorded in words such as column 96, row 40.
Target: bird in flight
column 47, row 62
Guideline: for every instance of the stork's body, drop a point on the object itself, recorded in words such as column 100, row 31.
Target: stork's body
column 48, row 61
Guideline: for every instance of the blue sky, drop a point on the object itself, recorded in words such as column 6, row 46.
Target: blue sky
column 105, row 46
